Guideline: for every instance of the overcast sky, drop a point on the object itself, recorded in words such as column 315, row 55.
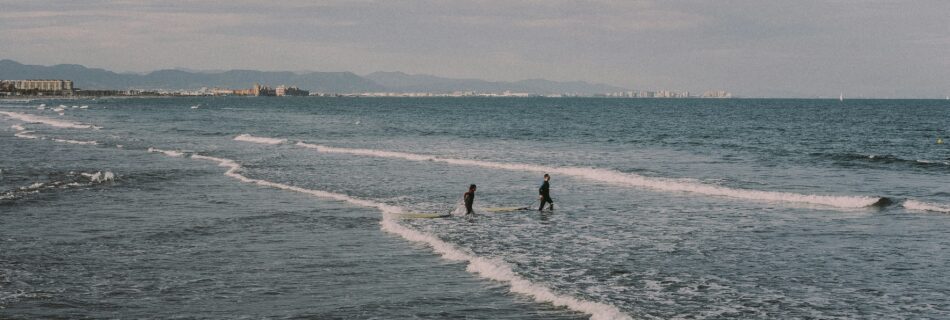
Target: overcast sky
column 882, row 48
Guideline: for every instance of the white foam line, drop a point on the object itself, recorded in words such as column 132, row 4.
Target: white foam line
column 493, row 269
column 75, row 141
column 100, row 176
column 613, row 176
column 18, row 127
column 36, row 187
column 932, row 162
column 169, row 153
column 250, row 138
column 23, row 133
column 47, row 121
column 26, row 135
column 926, row 206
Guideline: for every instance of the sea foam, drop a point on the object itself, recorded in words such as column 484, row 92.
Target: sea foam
column 170, row 153
column 25, row 134
column 100, row 176
column 249, row 138
column 926, row 206
column 76, row 141
column 493, row 269
column 47, row 121
column 72, row 181
column 622, row 178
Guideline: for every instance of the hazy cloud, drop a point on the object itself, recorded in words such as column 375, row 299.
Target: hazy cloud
column 862, row 48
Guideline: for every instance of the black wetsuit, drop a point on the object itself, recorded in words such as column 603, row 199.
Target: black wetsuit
column 469, row 198
column 545, row 192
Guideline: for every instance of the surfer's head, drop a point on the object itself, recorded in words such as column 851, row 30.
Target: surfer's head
column 471, row 187
column 547, row 177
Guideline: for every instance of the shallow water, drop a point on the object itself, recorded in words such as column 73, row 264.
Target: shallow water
column 290, row 208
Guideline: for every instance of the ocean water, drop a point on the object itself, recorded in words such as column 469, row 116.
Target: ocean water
column 304, row 208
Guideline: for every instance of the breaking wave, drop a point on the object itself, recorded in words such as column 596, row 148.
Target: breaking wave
column 883, row 159
column 25, row 134
column 169, row 153
column 91, row 142
column 933, row 162
column 926, row 206
column 71, row 180
column 494, row 269
column 47, row 121
column 249, row 138
column 100, row 176
column 617, row 177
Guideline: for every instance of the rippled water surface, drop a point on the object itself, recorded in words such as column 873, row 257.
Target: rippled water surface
column 309, row 208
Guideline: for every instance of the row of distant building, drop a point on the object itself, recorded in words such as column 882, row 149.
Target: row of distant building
column 53, row 87
column 625, row 94
column 670, row 94
column 259, row 91
column 56, row 87
column 65, row 88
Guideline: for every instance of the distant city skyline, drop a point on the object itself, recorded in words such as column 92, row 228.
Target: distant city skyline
column 883, row 49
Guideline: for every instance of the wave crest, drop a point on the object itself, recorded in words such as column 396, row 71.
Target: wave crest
column 72, row 180
column 493, row 269
column 249, row 138
column 169, row 153
column 926, row 206
column 883, row 159
column 26, row 134
column 617, row 177
column 47, row 121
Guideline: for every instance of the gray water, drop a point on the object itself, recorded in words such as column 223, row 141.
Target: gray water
column 697, row 209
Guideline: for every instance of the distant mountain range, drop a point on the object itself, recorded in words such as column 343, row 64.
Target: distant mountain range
column 336, row 82
column 401, row 82
column 90, row 78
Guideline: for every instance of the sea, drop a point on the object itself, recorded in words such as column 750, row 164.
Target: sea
column 351, row 208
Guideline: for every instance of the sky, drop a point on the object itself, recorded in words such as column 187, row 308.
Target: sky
column 755, row 48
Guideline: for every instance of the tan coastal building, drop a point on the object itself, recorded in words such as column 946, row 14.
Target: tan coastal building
column 43, row 85
column 261, row 91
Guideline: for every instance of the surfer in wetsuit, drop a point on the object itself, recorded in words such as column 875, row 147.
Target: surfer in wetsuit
column 469, row 198
column 545, row 193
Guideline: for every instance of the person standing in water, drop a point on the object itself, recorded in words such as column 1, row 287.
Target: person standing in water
column 469, row 198
column 545, row 192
